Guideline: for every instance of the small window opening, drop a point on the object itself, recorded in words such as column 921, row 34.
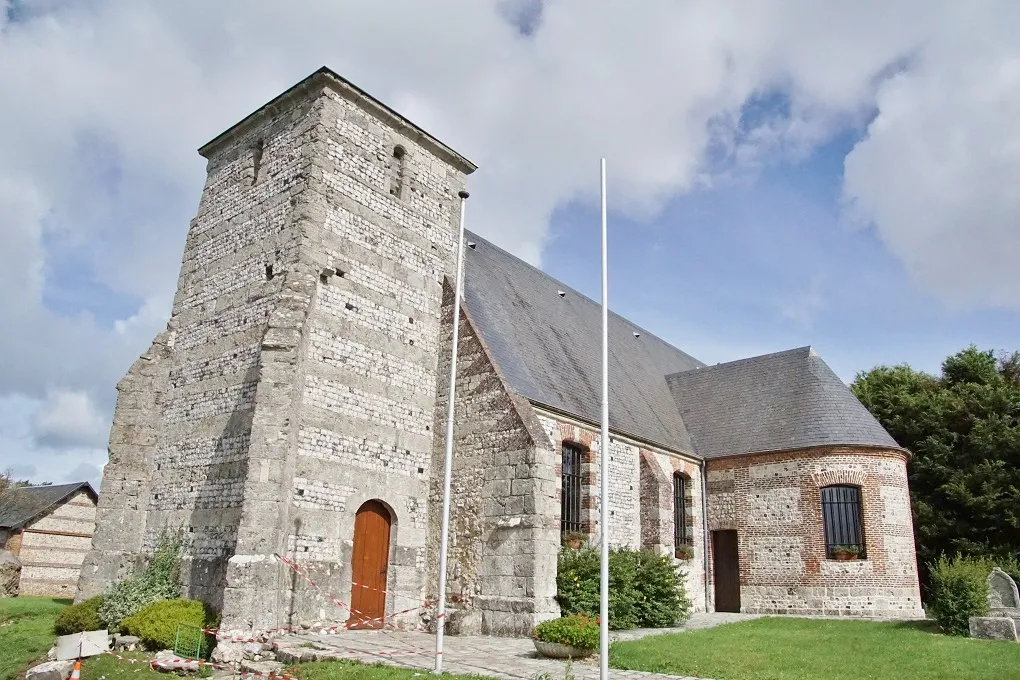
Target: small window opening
column 397, row 171
column 570, row 498
column 681, row 537
column 842, row 521
column 269, row 272
column 256, row 159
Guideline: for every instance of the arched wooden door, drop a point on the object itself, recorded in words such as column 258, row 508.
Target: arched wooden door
column 369, row 566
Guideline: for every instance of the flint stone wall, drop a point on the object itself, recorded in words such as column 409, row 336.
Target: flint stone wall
column 774, row 503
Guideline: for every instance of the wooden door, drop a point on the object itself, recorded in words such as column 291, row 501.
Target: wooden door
column 726, row 571
column 369, row 566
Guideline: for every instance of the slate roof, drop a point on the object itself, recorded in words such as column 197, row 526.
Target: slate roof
column 549, row 348
column 781, row 401
column 20, row 505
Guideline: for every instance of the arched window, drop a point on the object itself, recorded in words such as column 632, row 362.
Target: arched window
column 680, row 534
column 842, row 519
column 397, row 171
column 570, row 501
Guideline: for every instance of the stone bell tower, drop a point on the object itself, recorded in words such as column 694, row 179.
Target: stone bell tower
column 291, row 399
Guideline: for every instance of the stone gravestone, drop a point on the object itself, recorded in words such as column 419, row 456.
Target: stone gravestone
column 1003, row 609
column 10, row 574
column 1002, row 591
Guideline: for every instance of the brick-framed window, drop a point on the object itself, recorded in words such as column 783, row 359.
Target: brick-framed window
column 842, row 518
column 570, row 496
column 681, row 536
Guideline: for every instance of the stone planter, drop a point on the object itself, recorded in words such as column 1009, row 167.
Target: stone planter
column 555, row 650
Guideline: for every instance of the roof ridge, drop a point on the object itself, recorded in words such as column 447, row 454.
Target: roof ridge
column 747, row 360
column 568, row 288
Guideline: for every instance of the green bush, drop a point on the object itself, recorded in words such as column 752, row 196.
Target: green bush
column 576, row 631
column 645, row 589
column 79, row 618
column 661, row 599
column 156, row 625
column 959, row 590
column 159, row 580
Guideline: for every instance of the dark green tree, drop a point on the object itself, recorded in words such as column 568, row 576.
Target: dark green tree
column 963, row 429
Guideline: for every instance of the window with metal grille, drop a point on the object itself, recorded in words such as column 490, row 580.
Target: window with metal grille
column 680, row 535
column 841, row 517
column 570, row 503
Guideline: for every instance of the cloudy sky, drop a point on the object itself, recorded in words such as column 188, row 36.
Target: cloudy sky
column 781, row 172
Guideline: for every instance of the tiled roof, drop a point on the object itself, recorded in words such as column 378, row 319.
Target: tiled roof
column 782, row 401
column 20, row 505
column 549, row 348
column 546, row 339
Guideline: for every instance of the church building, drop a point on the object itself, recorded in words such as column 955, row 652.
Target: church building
column 295, row 407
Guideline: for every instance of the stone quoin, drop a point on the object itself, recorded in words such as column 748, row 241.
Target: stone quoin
column 295, row 405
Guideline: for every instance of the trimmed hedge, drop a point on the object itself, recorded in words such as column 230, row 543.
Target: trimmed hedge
column 576, row 631
column 645, row 589
column 79, row 618
column 959, row 590
column 156, row 625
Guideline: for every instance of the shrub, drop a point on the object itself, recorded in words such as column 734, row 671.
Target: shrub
column 156, row 625
column 575, row 631
column 79, row 618
column 959, row 590
column 159, row 580
column 645, row 589
column 661, row 592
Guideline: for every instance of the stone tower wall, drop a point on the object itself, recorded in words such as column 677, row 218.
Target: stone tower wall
column 773, row 501
column 347, row 415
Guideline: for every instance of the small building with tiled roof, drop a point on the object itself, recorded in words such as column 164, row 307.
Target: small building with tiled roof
column 296, row 405
column 49, row 528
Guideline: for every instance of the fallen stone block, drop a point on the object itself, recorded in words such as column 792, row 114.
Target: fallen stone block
column 126, row 643
column 51, row 670
column 171, row 662
column 10, row 574
column 228, row 652
column 993, row 628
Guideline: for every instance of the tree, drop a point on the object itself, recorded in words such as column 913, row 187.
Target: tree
column 963, row 429
column 7, row 481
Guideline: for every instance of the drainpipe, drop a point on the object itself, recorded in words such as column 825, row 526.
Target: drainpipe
column 704, row 521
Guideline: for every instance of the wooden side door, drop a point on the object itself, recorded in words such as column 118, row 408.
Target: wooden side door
column 726, row 570
column 369, row 566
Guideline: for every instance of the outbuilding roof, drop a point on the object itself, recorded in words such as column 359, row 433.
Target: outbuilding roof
column 20, row 505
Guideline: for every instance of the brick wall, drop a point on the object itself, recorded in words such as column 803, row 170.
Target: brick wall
column 773, row 501
column 640, row 495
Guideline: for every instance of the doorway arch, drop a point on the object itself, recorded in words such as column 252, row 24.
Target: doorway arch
column 370, row 559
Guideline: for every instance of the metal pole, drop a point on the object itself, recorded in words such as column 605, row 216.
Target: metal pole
column 448, row 466
column 604, row 448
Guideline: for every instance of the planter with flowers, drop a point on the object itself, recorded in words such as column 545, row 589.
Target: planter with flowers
column 574, row 540
column 568, row 637
column 684, row 552
column 846, row 553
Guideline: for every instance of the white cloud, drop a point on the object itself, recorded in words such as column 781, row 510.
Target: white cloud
column 69, row 418
column 105, row 102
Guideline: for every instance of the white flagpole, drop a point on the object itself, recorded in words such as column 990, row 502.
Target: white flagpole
column 604, row 448
column 448, row 468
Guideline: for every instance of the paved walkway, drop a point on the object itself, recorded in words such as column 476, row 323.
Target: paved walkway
column 490, row 656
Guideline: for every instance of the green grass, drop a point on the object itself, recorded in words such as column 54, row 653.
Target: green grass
column 26, row 632
column 806, row 649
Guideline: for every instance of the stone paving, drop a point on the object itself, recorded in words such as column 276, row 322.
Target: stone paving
column 489, row 656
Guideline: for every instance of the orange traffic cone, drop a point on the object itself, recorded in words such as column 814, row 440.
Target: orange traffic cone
column 76, row 673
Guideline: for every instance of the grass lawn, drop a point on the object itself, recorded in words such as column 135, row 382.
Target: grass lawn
column 805, row 649
column 26, row 631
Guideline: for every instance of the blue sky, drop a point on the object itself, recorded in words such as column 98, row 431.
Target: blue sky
column 838, row 174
